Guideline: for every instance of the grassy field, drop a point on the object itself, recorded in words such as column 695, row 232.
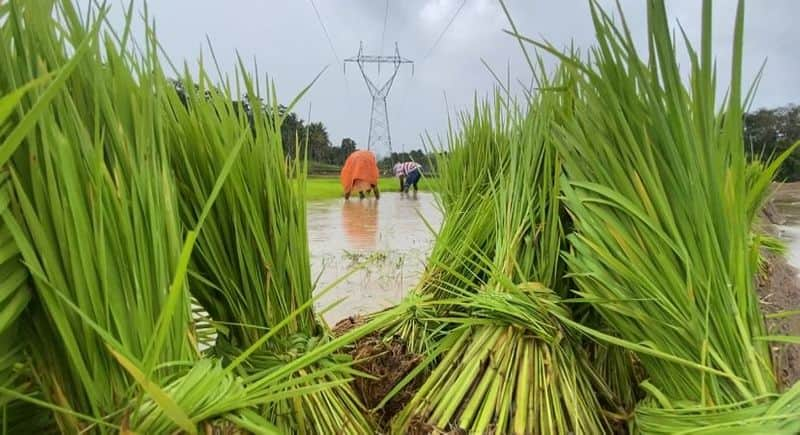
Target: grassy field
column 324, row 187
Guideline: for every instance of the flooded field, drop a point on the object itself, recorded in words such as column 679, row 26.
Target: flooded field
column 389, row 237
column 787, row 203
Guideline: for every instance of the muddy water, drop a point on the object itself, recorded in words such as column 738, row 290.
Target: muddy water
column 787, row 203
column 389, row 238
column 790, row 232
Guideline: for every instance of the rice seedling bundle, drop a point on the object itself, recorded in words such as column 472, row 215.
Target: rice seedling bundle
column 475, row 154
column 476, row 149
column 15, row 290
column 90, row 225
column 251, row 269
column 509, row 365
column 663, row 203
column 97, row 225
column 259, row 208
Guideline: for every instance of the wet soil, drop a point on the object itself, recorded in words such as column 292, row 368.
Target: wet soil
column 779, row 285
column 389, row 361
column 779, row 291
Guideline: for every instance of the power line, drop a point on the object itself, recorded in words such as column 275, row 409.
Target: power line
column 324, row 30
column 441, row 35
column 333, row 49
column 385, row 19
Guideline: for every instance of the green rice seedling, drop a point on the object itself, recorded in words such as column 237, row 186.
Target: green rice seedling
column 252, row 266
column 15, row 375
column 98, row 227
column 663, row 204
column 475, row 151
column 450, row 270
column 210, row 393
column 511, row 366
column 92, row 214
column 619, row 373
column 474, row 155
column 247, row 289
column 14, row 126
column 15, row 291
column 92, row 208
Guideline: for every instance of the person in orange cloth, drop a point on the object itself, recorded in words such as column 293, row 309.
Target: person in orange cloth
column 360, row 174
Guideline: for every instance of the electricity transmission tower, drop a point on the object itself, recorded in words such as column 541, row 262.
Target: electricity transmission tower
column 379, row 133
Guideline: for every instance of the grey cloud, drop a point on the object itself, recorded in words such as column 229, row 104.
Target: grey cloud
column 286, row 40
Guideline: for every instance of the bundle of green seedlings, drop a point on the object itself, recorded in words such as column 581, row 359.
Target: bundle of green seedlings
column 509, row 365
column 663, row 203
column 15, row 291
column 475, row 154
column 477, row 149
column 95, row 221
column 95, row 311
column 252, row 266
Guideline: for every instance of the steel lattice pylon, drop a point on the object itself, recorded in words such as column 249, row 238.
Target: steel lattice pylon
column 379, row 132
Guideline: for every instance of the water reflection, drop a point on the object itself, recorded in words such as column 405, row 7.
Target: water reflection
column 360, row 222
column 786, row 200
column 389, row 234
column 789, row 230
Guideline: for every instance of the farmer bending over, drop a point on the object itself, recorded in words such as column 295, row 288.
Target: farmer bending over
column 398, row 172
column 411, row 172
column 360, row 174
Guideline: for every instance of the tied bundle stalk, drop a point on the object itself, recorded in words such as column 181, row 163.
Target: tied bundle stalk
column 474, row 155
column 510, row 365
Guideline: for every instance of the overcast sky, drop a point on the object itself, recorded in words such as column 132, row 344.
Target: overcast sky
column 288, row 43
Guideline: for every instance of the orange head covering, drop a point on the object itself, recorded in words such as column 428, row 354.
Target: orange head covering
column 360, row 171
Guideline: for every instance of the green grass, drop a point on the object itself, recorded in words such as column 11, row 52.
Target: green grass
column 319, row 187
column 323, row 169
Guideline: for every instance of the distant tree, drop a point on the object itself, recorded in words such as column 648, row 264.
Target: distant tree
column 769, row 132
column 311, row 138
column 292, row 132
column 348, row 145
column 318, row 143
column 314, row 135
column 428, row 161
column 347, row 148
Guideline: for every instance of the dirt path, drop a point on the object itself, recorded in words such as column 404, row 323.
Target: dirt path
column 779, row 286
column 780, row 291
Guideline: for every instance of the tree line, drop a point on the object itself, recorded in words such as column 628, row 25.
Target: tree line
column 770, row 132
column 767, row 133
column 329, row 158
column 311, row 137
